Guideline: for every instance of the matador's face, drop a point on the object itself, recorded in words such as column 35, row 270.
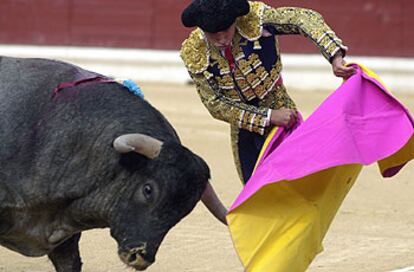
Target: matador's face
column 223, row 38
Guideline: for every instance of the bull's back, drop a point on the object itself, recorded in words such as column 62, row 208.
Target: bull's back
column 62, row 143
column 25, row 89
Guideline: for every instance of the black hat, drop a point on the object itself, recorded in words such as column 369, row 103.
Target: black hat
column 214, row 15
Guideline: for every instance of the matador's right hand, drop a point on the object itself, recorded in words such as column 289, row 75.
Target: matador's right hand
column 283, row 117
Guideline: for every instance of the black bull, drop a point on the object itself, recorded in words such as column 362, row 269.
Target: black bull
column 80, row 160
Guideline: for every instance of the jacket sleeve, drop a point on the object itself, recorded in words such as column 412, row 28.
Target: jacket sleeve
column 236, row 113
column 309, row 23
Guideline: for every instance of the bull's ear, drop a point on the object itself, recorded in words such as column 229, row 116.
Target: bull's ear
column 139, row 143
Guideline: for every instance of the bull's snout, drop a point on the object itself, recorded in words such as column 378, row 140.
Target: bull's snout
column 135, row 258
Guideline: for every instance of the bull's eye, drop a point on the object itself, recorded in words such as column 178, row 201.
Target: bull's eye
column 147, row 191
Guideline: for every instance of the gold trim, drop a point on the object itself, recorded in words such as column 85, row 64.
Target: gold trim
column 250, row 26
column 195, row 52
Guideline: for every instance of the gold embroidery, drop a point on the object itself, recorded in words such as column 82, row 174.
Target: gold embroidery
column 208, row 75
column 252, row 79
column 238, row 74
column 244, row 66
column 257, row 45
column 324, row 41
column 267, row 80
column 242, row 83
column 261, row 73
column 245, row 89
column 232, row 94
column 236, row 49
column 250, row 25
column 277, row 98
column 259, row 90
column 274, row 73
column 245, row 120
column 225, row 82
column 254, row 60
column 239, row 56
column 306, row 22
column 223, row 65
column 195, row 52
column 267, row 83
column 331, row 50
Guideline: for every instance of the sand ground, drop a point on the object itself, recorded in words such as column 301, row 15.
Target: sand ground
column 373, row 231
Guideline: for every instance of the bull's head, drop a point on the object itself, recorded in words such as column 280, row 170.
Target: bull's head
column 170, row 185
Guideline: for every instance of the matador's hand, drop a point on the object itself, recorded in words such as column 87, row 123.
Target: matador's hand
column 283, row 117
column 339, row 68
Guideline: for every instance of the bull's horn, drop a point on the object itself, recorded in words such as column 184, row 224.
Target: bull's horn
column 213, row 204
column 140, row 143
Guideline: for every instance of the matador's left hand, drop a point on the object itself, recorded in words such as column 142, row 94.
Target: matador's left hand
column 339, row 68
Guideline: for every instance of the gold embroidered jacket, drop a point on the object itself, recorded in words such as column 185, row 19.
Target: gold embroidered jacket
column 243, row 97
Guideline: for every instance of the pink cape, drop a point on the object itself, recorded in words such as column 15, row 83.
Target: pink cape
column 359, row 124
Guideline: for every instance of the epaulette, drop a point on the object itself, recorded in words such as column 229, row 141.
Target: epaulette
column 195, row 53
column 250, row 26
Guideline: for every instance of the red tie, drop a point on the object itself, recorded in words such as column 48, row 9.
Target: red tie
column 229, row 57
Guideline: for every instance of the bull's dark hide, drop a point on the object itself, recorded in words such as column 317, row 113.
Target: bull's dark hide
column 60, row 174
